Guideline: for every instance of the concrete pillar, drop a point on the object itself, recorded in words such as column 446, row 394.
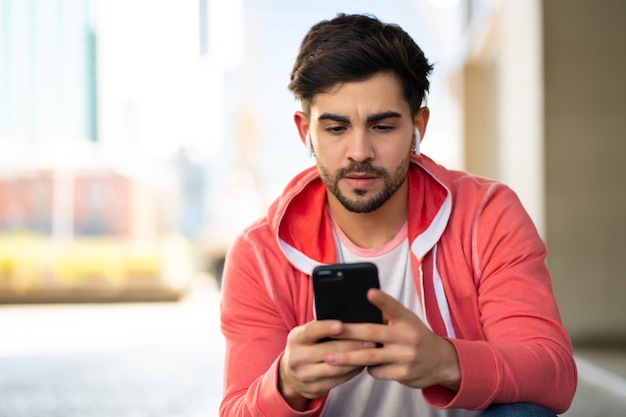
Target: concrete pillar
column 585, row 148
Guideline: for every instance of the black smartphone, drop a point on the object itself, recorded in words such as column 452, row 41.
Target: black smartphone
column 340, row 292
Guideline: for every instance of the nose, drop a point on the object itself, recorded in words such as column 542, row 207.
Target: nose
column 359, row 146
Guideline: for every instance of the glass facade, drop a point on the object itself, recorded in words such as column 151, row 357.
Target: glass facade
column 47, row 71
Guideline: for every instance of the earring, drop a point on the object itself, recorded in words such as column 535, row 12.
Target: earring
column 416, row 145
column 309, row 145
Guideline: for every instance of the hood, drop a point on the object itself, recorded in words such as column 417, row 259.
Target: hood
column 301, row 223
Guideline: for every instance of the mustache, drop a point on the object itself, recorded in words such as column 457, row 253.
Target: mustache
column 361, row 168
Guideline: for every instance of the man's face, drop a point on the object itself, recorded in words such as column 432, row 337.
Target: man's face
column 362, row 133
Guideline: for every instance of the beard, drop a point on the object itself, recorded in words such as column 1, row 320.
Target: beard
column 364, row 203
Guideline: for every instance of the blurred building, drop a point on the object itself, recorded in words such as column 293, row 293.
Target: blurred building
column 47, row 71
column 99, row 202
column 544, row 101
column 87, row 231
column 82, row 213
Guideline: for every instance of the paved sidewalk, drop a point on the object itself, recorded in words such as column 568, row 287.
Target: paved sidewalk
column 602, row 382
column 165, row 359
column 112, row 360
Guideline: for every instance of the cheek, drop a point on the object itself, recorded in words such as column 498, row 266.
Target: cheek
column 394, row 157
column 331, row 157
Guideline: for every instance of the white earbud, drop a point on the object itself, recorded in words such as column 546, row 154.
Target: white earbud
column 416, row 147
column 309, row 146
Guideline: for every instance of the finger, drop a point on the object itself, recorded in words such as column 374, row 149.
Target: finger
column 312, row 380
column 348, row 345
column 336, row 330
column 335, row 376
column 368, row 334
column 391, row 308
column 312, row 332
column 391, row 372
column 363, row 357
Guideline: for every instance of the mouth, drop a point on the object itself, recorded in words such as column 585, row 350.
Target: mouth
column 360, row 176
column 361, row 181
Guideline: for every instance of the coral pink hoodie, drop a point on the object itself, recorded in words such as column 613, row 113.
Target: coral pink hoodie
column 479, row 266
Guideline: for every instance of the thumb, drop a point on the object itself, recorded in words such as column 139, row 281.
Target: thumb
column 391, row 308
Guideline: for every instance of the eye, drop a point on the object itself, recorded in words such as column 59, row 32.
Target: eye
column 335, row 129
column 383, row 128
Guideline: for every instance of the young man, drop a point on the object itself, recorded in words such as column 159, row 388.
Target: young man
column 470, row 318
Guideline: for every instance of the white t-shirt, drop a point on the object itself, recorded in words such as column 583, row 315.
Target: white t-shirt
column 365, row 396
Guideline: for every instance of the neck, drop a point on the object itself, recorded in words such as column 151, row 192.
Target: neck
column 375, row 229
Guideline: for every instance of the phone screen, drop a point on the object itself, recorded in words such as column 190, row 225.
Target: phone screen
column 341, row 292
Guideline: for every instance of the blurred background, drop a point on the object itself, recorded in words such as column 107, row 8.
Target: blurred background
column 138, row 137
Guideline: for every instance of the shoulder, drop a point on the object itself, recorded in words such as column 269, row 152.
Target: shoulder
column 469, row 189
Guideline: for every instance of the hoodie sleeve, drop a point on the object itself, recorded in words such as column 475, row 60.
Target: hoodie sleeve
column 255, row 328
column 525, row 354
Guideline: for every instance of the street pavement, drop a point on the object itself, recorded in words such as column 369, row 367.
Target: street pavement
column 165, row 359
column 112, row 360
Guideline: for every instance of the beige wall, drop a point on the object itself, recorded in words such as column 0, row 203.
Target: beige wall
column 545, row 112
column 504, row 102
column 585, row 147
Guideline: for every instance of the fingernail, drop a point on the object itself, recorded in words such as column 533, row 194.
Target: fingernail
column 369, row 345
column 331, row 358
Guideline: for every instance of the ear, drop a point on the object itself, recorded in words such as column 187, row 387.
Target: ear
column 302, row 124
column 420, row 121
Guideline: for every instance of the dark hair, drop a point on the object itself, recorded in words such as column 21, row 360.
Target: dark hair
column 354, row 48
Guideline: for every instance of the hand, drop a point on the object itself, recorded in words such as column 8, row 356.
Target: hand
column 411, row 354
column 303, row 373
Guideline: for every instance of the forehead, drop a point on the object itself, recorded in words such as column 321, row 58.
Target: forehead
column 381, row 92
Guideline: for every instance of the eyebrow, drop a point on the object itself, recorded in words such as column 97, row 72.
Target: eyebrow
column 373, row 118
column 384, row 115
column 333, row 117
